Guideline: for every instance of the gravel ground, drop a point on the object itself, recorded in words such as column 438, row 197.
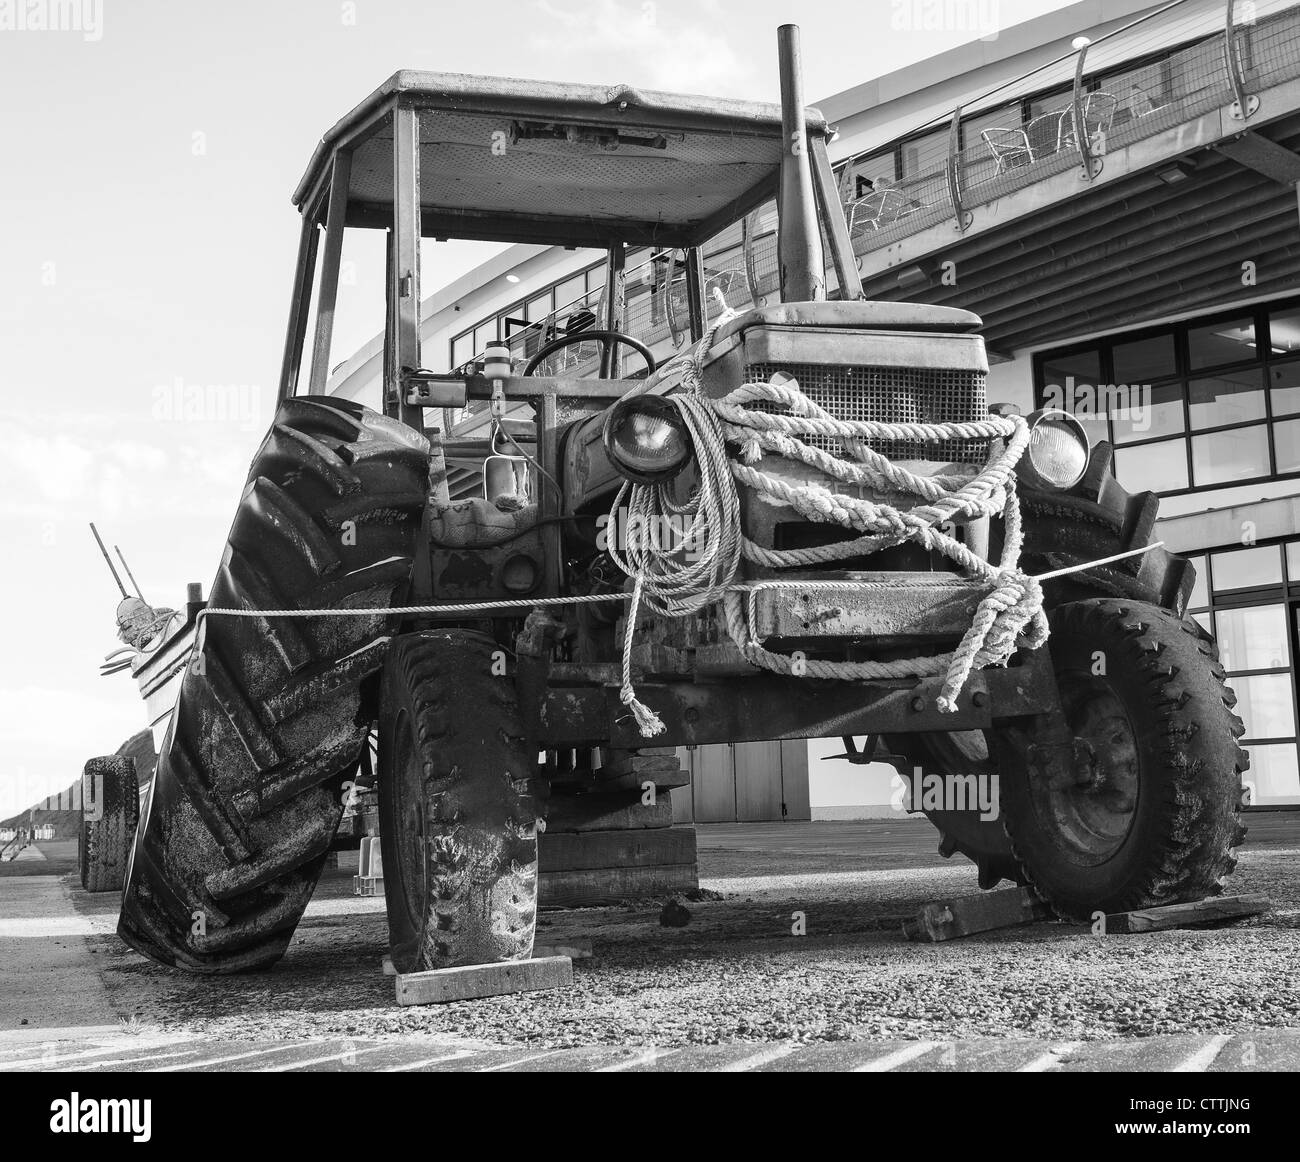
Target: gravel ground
column 736, row 972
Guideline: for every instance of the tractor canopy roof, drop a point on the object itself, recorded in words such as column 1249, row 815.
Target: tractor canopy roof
column 559, row 164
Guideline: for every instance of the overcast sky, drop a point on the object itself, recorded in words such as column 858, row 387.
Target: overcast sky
column 147, row 243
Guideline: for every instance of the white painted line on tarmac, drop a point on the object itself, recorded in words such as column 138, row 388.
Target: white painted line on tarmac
column 898, row 1057
column 35, row 927
column 756, row 1060
column 60, row 1058
column 1204, row 1057
column 520, row 1061
column 652, row 1057
column 410, row 1065
column 324, row 1060
column 1051, row 1059
column 234, row 1057
column 122, row 1061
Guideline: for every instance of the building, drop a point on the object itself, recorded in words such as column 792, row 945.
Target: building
column 1114, row 190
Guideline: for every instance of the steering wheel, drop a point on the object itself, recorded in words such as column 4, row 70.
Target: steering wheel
column 608, row 340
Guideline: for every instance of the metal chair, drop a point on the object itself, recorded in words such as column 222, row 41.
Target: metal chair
column 877, row 210
column 1010, row 148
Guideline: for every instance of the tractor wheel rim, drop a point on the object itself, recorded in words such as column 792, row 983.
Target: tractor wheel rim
column 1094, row 815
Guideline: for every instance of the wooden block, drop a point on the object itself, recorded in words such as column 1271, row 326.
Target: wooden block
column 387, row 966
column 575, row 948
column 663, row 780
column 949, row 919
column 484, row 980
column 1212, row 910
column 611, row 885
column 623, row 811
column 563, row 851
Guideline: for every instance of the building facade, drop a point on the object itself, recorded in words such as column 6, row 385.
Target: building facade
column 1114, row 191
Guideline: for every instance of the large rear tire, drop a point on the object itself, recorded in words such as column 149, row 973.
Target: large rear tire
column 110, row 810
column 270, row 718
column 457, row 806
column 1149, row 816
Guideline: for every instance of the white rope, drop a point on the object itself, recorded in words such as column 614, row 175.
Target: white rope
column 1010, row 613
column 648, row 717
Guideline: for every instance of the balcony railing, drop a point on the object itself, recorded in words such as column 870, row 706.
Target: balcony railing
column 1121, row 88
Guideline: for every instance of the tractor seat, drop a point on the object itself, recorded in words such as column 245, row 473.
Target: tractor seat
column 478, row 524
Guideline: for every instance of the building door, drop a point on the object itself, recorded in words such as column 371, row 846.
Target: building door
column 748, row 782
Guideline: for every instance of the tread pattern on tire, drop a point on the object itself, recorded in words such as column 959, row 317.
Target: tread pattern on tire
column 247, row 794
column 1179, row 664
column 109, row 791
column 481, row 789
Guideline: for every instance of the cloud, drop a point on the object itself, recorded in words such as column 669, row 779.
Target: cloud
column 662, row 53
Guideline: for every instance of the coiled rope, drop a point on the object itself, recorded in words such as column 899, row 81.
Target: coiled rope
column 670, row 585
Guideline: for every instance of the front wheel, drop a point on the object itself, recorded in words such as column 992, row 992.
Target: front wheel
column 1147, row 812
column 458, row 816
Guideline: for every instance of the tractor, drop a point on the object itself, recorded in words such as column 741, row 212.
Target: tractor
column 799, row 519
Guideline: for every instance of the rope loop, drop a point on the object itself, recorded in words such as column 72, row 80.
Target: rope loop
column 778, row 419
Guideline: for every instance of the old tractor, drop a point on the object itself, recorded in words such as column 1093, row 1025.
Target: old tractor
column 804, row 523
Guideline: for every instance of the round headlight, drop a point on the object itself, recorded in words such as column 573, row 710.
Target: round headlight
column 646, row 439
column 1057, row 455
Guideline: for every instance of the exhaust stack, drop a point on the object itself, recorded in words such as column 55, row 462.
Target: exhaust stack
column 803, row 269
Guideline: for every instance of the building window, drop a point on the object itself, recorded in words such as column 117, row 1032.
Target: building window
column 1249, row 598
column 1190, row 406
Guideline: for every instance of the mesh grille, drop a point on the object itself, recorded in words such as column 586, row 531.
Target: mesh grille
column 890, row 395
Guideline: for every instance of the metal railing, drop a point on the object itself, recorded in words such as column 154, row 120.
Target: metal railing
column 1123, row 87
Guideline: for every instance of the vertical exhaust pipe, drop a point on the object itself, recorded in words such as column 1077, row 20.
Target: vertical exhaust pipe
column 803, row 269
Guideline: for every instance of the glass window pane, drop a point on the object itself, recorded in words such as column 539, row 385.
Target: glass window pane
column 596, row 279
column 1200, row 587
column 1293, row 562
column 1284, row 387
column 1157, row 467
column 1081, row 367
column 1232, row 341
column 570, row 289
column 539, row 307
column 1235, row 398
column 1247, row 568
column 865, row 172
column 1145, row 360
column 925, row 155
column 1264, row 703
column 462, row 350
column 1284, row 332
column 1226, row 457
column 1139, row 412
column 1273, row 776
column 1253, row 638
column 1286, row 445
column 1203, row 620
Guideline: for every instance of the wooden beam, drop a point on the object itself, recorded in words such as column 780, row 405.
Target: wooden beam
column 1213, row 910
column 949, row 919
column 484, row 980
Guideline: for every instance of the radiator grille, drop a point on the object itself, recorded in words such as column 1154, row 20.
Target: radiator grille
column 891, row 395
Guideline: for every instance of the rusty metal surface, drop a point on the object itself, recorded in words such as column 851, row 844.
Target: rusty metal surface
column 766, row 707
column 931, row 605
